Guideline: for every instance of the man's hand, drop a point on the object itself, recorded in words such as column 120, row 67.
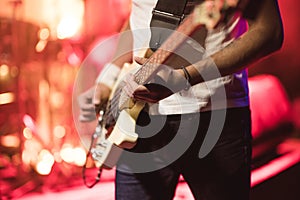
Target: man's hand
column 150, row 93
column 91, row 101
column 167, row 82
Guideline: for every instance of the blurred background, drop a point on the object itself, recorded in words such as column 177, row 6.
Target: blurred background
column 43, row 44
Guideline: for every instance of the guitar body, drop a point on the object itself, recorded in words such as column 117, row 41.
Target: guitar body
column 115, row 135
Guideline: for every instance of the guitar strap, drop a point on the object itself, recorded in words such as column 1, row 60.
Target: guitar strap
column 166, row 16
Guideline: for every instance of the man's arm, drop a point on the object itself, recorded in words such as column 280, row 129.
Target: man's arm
column 264, row 36
column 122, row 55
column 100, row 92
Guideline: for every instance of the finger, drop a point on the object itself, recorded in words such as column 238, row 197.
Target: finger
column 87, row 118
column 145, row 98
column 83, row 100
column 128, row 91
column 141, row 90
column 86, row 115
column 87, row 107
column 140, row 60
column 131, row 85
column 97, row 96
column 143, row 94
column 88, row 111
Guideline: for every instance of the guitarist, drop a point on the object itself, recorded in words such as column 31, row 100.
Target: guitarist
column 250, row 30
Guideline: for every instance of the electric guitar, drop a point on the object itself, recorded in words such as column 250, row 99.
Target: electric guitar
column 116, row 128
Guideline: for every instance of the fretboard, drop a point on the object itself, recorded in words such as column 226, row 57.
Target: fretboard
column 149, row 69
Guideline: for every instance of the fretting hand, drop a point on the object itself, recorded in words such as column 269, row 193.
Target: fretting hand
column 91, row 100
column 167, row 82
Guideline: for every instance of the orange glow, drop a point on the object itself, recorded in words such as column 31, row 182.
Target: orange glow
column 27, row 133
column 6, row 98
column 57, row 99
column 71, row 18
column 66, row 154
column 68, row 27
column 40, row 46
column 72, row 155
column 14, row 71
column 43, row 168
column 44, row 34
column 80, row 156
column 30, row 151
column 44, row 89
column 59, row 131
column 4, row 70
column 45, row 163
column 57, row 157
column 26, row 157
column 46, row 13
column 10, row 141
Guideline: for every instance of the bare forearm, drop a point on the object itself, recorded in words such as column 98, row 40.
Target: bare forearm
column 265, row 35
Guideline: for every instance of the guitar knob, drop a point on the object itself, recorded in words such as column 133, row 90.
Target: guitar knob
column 98, row 129
column 96, row 153
column 102, row 144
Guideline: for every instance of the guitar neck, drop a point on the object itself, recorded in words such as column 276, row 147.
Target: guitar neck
column 148, row 69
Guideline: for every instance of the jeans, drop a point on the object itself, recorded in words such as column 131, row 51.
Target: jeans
column 223, row 174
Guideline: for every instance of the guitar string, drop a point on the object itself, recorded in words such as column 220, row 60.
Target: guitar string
column 148, row 66
column 141, row 76
column 114, row 103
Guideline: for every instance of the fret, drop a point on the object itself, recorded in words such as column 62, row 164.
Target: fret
column 160, row 55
